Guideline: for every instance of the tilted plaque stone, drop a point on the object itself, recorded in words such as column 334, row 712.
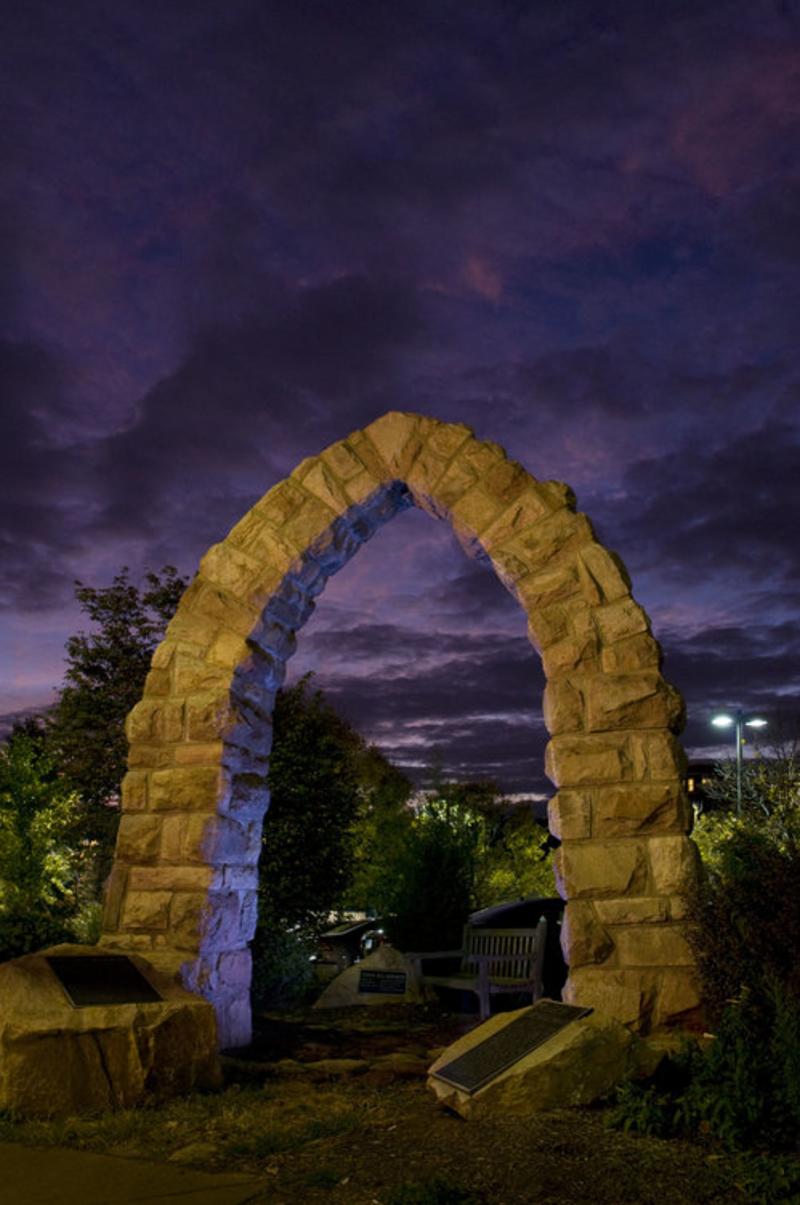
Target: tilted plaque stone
column 102, row 979
column 507, row 1046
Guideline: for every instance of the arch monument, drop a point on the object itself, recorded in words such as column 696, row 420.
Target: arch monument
column 182, row 891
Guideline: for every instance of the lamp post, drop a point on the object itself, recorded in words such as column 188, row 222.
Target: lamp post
column 738, row 721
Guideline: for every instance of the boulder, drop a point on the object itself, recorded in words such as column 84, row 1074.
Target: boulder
column 57, row 1059
column 577, row 1065
column 345, row 990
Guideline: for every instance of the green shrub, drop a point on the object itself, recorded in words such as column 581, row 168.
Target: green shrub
column 743, row 918
column 283, row 975
column 743, row 1089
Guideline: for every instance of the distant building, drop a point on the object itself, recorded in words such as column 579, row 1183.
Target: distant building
column 698, row 777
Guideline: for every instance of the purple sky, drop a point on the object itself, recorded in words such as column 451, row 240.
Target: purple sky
column 231, row 233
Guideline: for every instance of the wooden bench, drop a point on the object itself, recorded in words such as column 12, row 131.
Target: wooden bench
column 493, row 961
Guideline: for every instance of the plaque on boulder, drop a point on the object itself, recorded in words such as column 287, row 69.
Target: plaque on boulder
column 102, row 979
column 504, row 1047
column 386, row 983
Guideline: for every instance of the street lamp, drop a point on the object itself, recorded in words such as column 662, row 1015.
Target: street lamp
column 739, row 721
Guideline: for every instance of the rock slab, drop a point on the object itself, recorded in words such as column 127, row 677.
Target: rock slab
column 343, row 991
column 56, row 1059
column 576, row 1066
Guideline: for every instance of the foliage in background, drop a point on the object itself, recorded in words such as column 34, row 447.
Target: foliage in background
column 39, row 872
column 742, row 1089
column 104, row 679
column 770, row 784
column 464, row 848
column 309, row 841
column 743, row 917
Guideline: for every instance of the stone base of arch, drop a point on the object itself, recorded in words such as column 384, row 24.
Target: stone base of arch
column 183, row 886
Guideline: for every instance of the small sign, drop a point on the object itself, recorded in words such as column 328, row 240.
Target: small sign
column 501, row 1049
column 385, row 983
column 102, row 979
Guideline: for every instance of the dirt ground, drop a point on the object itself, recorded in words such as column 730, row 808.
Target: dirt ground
column 404, row 1147
column 332, row 1106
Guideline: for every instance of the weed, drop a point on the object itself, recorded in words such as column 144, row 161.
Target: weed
column 435, row 1192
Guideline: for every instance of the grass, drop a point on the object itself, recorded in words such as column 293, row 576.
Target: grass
column 247, row 1125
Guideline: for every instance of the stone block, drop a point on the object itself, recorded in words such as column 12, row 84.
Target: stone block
column 307, row 525
column 504, row 481
column 398, row 438
column 575, row 760
column 557, row 585
column 674, row 863
column 186, row 838
column 679, row 1001
column 627, row 995
column 195, row 675
column 563, row 705
column 547, row 625
column 603, row 576
column 318, row 478
column 528, row 507
column 579, row 1064
column 569, row 815
column 333, row 548
column 601, row 869
column 653, row 945
column 239, row 572
column 641, row 699
column 628, row 809
column 343, row 460
column 618, row 620
column 198, row 753
column 583, row 937
column 56, row 1060
column 146, row 909
column 170, row 878
column 631, row 910
column 218, row 607
column 113, row 895
column 138, row 837
column 474, row 510
column 575, row 652
column 423, row 477
column 445, row 439
column 554, row 538
column 637, row 652
column 195, row 788
column 134, row 791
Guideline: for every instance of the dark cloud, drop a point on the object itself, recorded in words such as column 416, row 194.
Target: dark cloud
column 714, row 510
column 233, row 234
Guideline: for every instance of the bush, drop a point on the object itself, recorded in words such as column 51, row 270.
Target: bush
column 38, row 874
column 743, row 1089
column 283, row 975
column 743, row 918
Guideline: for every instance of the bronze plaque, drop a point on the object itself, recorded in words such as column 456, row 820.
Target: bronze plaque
column 507, row 1046
column 102, row 979
column 386, row 983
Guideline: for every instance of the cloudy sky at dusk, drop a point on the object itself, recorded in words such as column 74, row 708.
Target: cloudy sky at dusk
column 232, row 233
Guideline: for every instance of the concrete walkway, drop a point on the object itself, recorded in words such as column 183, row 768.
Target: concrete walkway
column 56, row 1176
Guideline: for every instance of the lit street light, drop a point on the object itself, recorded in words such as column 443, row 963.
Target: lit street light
column 738, row 721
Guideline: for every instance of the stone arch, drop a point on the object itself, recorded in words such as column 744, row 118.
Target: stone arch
column 182, row 891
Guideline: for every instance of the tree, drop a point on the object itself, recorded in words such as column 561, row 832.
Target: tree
column 104, row 679
column 39, row 872
column 309, row 839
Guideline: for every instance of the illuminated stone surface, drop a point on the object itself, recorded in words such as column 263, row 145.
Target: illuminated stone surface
column 183, row 885
column 56, row 1059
